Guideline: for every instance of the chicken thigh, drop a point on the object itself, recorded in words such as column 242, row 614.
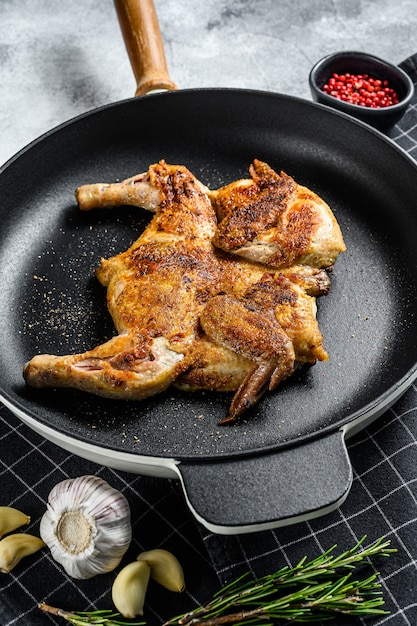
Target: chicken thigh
column 188, row 313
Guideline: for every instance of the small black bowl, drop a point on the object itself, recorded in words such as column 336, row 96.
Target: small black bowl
column 382, row 118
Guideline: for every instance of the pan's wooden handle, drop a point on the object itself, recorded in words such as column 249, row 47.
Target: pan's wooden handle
column 143, row 40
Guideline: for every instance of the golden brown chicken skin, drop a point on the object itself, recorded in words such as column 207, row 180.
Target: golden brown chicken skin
column 188, row 313
column 270, row 219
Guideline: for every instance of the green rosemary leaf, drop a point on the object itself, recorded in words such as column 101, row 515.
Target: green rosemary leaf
column 104, row 617
column 309, row 592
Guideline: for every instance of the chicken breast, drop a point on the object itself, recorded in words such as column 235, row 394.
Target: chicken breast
column 271, row 219
column 190, row 314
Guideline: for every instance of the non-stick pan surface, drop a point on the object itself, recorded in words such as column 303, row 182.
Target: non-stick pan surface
column 51, row 302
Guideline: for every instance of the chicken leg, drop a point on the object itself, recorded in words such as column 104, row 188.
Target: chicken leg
column 155, row 291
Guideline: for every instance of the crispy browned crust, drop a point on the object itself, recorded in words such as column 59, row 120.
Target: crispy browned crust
column 273, row 220
column 191, row 314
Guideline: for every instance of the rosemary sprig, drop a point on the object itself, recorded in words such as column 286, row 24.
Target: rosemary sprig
column 80, row 618
column 309, row 592
column 318, row 592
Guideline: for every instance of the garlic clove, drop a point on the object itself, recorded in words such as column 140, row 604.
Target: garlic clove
column 129, row 589
column 14, row 547
column 11, row 519
column 165, row 568
column 86, row 526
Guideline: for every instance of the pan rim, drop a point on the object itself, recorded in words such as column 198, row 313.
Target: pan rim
column 349, row 424
column 215, row 90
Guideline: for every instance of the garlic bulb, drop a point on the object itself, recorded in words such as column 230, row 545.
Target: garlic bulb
column 86, row 526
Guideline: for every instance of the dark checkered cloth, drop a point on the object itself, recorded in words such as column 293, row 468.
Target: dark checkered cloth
column 382, row 501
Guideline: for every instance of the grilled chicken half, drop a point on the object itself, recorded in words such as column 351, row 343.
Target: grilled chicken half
column 186, row 311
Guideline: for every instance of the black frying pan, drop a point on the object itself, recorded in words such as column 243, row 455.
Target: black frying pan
column 287, row 460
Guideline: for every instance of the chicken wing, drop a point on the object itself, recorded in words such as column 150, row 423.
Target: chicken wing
column 270, row 327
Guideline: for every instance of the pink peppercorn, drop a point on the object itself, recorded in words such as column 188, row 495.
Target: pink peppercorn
column 361, row 89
